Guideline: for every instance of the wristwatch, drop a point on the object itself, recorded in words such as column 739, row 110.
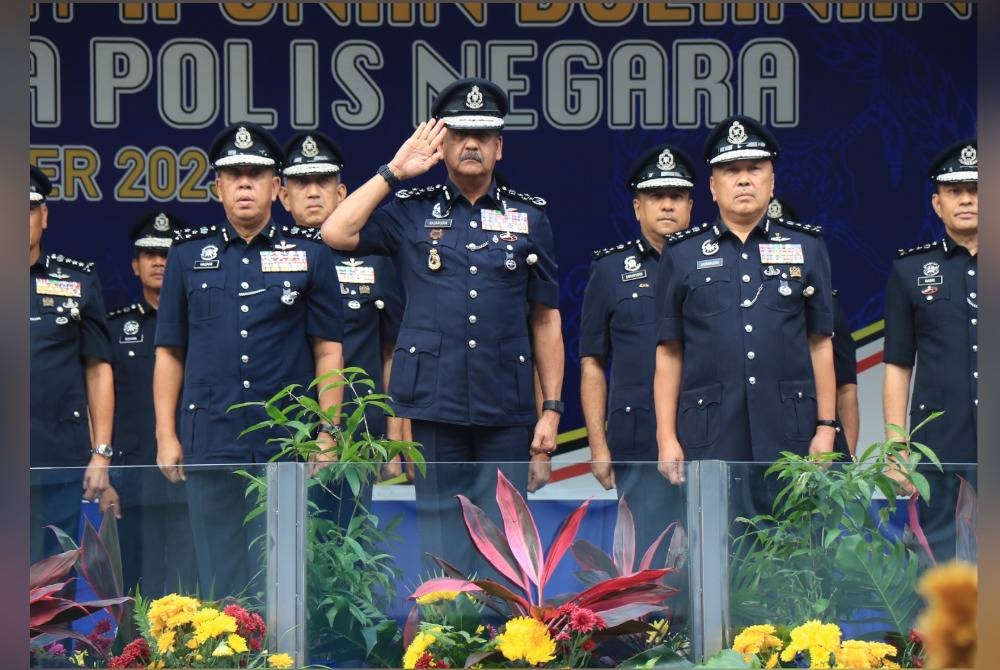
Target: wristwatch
column 557, row 406
column 104, row 450
column 327, row 428
column 390, row 177
column 832, row 423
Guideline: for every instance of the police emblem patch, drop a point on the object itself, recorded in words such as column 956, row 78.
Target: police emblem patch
column 666, row 160
column 209, row 252
column 709, row 247
column 131, row 327
column 242, row 140
column 436, row 211
column 931, row 269
column 309, row 148
column 968, row 156
column 631, row 264
column 774, row 210
column 474, row 99
column 161, row 222
column 737, row 133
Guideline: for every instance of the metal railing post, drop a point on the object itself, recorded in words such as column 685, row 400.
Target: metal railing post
column 708, row 516
column 286, row 560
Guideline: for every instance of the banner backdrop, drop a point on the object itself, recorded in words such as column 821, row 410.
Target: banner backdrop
column 126, row 98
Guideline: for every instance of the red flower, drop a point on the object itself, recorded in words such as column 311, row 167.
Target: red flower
column 427, row 661
column 99, row 637
column 249, row 625
column 915, row 636
column 588, row 645
column 583, row 620
column 134, row 655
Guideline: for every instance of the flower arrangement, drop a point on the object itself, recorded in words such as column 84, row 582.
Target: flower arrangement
column 536, row 631
column 181, row 631
column 813, row 644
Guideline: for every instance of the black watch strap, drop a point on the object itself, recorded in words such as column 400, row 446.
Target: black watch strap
column 832, row 423
column 390, row 177
column 557, row 406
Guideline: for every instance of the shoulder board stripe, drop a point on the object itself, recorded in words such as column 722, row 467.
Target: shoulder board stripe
column 302, row 233
column 185, row 234
column 920, row 248
column 601, row 253
column 424, row 192
column 795, row 225
column 524, row 197
column 121, row 311
column 83, row 266
column 684, row 234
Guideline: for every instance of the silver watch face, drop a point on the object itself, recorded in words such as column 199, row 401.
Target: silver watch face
column 104, row 450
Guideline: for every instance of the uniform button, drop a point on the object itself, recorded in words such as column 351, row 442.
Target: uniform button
column 800, row 394
column 76, row 414
column 975, row 374
column 243, row 333
column 751, row 355
column 748, row 328
column 929, row 298
column 131, row 353
column 746, row 278
column 975, row 347
column 974, row 321
column 922, row 407
column 976, row 402
column 473, row 269
column 752, row 380
column 510, row 247
column 192, row 406
column 244, row 285
column 628, row 410
column 472, row 318
column 245, row 358
column 635, row 295
column 520, row 359
column 472, row 344
column 246, row 383
column 246, row 261
column 747, row 303
column 473, row 224
column 244, row 308
column 473, row 293
column 708, row 279
column 413, row 350
column 744, row 256
column 973, row 295
column 204, row 286
column 380, row 304
column 701, row 401
column 972, row 273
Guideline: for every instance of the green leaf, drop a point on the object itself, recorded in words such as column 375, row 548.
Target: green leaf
column 727, row 658
column 920, row 483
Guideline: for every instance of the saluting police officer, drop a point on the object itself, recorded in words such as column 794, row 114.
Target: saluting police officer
column 247, row 308
column 931, row 320
column 154, row 529
column 313, row 187
column 619, row 320
column 478, row 267
column 744, row 363
column 72, row 390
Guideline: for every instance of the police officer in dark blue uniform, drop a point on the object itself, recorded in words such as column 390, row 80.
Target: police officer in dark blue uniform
column 154, row 529
column 477, row 263
column 619, row 320
column 744, row 362
column 247, row 308
column 931, row 320
column 71, row 381
column 312, row 189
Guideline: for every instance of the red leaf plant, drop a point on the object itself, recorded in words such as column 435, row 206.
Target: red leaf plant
column 517, row 554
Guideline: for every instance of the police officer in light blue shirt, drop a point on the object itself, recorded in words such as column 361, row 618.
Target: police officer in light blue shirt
column 745, row 361
column 477, row 264
column 247, row 308
column 619, row 323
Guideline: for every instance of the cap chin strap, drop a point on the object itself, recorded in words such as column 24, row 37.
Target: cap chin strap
column 740, row 154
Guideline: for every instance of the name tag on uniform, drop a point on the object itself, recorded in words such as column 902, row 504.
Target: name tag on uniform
column 56, row 287
column 781, row 254
column 710, row 263
column 360, row 274
column 632, row 276
column 283, row 261
column 437, row 223
column 207, row 265
column 927, row 281
column 511, row 222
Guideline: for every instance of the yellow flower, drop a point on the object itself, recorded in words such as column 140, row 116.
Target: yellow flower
column 861, row 654
column 819, row 639
column 170, row 611
column 158, row 663
column 659, row 630
column 480, row 629
column 222, row 650
column 436, row 596
column 237, row 644
column 755, row 639
column 199, row 657
column 772, row 662
column 280, row 661
column 526, row 639
column 165, row 641
column 419, row 645
column 209, row 623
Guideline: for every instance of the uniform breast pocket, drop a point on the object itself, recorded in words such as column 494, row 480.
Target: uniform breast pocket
column 634, row 304
column 935, row 307
column 56, row 322
column 783, row 295
column 798, row 408
column 193, row 418
column 507, row 260
column 415, row 367
column 698, row 416
column 286, row 288
column 518, row 388
column 436, row 246
column 206, row 295
column 709, row 292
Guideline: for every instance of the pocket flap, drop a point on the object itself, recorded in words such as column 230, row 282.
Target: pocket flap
column 700, row 398
column 412, row 341
column 797, row 390
column 196, row 397
column 516, row 349
column 926, row 399
column 635, row 397
column 709, row 276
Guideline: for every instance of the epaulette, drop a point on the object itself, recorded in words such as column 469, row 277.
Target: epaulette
column 680, row 235
column 82, row 266
column 917, row 249
column 419, row 193
column 804, row 227
column 302, row 233
column 601, row 253
column 185, row 234
column 122, row 311
column 523, row 197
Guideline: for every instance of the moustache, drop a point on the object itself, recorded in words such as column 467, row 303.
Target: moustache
column 471, row 156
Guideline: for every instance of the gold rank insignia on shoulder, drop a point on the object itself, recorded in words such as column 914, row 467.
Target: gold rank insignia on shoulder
column 434, row 260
